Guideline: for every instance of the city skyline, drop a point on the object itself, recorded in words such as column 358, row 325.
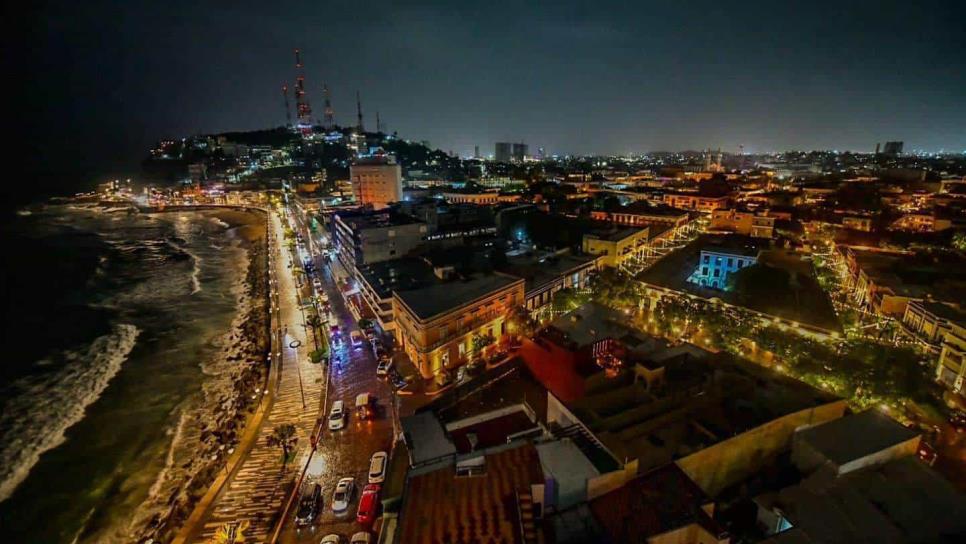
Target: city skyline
column 571, row 80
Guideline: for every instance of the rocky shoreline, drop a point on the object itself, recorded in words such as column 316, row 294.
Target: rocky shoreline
column 210, row 428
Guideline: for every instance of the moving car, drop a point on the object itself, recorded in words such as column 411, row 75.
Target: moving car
column 309, row 506
column 364, row 406
column 368, row 504
column 357, row 339
column 377, row 467
column 331, row 539
column 317, row 283
column 343, row 495
column 337, row 416
column 382, row 369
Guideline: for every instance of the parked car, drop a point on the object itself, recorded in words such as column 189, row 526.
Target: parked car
column 332, row 539
column 382, row 369
column 368, row 504
column 378, row 465
column 334, row 331
column 337, row 416
column 376, row 344
column 371, row 334
column 361, row 537
column 309, row 506
column 357, row 339
column 317, row 283
column 343, row 495
column 397, row 380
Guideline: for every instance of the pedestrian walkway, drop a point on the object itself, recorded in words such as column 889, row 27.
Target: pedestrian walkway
column 261, row 485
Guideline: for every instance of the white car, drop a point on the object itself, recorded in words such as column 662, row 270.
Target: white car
column 331, row 539
column 317, row 283
column 337, row 416
column 343, row 495
column 382, row 369
column 378, row 465
column 361, row 538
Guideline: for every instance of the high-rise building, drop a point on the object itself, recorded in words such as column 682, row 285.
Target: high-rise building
column 520, row 152
column 892, row 149
column 476, row 151
column 504, row 151
column 376, row 180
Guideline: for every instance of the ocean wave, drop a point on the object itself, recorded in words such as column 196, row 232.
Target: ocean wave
column 40, row 408
column 219, row 222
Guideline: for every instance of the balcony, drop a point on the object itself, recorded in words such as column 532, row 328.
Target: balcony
column 465, row 328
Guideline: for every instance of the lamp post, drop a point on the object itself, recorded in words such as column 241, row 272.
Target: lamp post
column 295, row 345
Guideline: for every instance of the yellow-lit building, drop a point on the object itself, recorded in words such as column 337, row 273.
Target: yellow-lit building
column 376, row 180
column 616, row 246
column 743, row 222
column 436, row 324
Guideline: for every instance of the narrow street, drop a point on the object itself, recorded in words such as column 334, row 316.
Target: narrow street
column 343, row 453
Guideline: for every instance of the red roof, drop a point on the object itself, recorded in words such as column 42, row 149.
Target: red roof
column 442, row 508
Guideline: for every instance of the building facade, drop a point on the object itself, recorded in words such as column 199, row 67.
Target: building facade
column 370, row 237
column 615, row 247
column 694, row 201
column 376, row 181
column 436, row 325
column 714, row 266
column 742, row 222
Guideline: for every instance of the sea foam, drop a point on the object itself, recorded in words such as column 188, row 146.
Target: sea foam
column 42, row 407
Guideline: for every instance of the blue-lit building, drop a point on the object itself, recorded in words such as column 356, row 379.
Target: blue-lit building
column 717, row 263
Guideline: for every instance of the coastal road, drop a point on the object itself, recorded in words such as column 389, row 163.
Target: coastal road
column 258, row 490
column 343, row 453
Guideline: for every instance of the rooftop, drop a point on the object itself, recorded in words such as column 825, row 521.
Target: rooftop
column 593, row 322
column 703, row 402
column 642, row 207
column 615, row 234
column 441, row 296
column 444, row 507
column 899, row 501
column 425, row 437
column 539, row 270
column 662, row 500
column 855, row 436
column 368, row 219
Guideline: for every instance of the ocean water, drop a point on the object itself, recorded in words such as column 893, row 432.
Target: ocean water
column 110, row 321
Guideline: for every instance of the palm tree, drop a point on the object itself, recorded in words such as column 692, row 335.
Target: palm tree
column 283, row 436
column 315, row 323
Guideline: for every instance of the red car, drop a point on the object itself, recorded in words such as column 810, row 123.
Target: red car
column 368, row 504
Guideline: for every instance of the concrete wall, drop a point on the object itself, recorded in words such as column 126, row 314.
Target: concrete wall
column 903, row 449
column 730, row 461
column 605, row 483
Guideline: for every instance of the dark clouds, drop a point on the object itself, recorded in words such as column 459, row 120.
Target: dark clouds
column 105, row 80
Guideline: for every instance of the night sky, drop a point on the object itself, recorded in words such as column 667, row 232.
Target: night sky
column 103, row 81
